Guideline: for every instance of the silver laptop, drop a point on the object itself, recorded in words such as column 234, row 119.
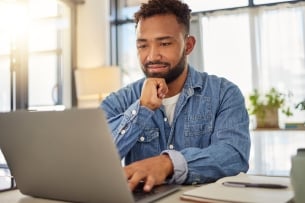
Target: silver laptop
column 65, row 155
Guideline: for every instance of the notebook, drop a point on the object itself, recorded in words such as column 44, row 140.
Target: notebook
column 220, row 192
column 65, row 155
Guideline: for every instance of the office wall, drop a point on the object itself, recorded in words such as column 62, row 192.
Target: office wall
column 92, row 34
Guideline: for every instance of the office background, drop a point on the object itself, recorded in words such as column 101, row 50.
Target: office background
column 257, row 44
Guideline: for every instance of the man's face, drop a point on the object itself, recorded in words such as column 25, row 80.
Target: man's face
column 161, row 47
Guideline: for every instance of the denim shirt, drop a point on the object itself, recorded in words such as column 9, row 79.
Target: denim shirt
column 208, row 139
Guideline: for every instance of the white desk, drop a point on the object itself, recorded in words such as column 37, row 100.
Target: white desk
column 14, row 196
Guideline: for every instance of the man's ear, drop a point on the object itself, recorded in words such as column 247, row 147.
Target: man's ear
column 189, row 44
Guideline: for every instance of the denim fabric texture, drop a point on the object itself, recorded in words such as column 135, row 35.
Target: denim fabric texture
column 208, row 139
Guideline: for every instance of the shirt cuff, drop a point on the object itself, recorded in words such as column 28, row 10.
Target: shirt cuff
column 180, row 166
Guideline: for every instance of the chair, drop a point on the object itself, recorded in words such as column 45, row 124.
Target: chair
column 94, row 84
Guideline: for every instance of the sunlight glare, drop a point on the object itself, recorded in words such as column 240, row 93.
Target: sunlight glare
column 41, row 9
column 13, row 16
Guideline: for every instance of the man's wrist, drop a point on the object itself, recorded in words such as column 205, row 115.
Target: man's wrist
column 180, row 170
column 168, row 164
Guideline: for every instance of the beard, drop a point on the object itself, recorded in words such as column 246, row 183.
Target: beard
column 173, row 72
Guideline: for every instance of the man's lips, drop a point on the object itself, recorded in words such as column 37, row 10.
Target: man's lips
column 156, row 68
column 152, row 66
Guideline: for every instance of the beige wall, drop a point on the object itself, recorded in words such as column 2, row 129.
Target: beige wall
column 92, row 34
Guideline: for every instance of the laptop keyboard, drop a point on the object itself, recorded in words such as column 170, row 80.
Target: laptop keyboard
column 156, row 193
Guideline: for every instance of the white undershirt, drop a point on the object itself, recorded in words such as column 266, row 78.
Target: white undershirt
column 170, row 105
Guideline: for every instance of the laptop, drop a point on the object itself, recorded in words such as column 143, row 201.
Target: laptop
column 66, row 155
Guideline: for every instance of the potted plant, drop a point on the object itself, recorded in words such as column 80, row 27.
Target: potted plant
column 265, row 107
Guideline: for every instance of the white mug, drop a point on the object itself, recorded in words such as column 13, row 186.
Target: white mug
column 297, row 176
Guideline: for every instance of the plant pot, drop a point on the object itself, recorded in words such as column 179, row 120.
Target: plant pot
column 268, row 119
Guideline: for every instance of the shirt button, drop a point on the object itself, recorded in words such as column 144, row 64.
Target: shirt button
column 142, row 139
column 133, row 112
column 165, row 119
column 171, row 146
column 123, row 132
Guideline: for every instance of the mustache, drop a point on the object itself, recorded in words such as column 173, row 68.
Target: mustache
column 156, row 63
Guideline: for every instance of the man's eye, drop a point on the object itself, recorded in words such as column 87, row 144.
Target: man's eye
column 141, row 46
column 164, row 44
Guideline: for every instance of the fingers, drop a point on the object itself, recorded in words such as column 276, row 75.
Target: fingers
column 135, row 175
column 162, row 89
column 153, row 91
column 153, row 171
column 149, row 183
column 139, row 176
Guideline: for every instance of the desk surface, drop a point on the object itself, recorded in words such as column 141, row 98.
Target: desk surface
column 14, row 196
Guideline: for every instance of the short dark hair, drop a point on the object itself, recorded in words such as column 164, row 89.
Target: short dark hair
column 162, row 7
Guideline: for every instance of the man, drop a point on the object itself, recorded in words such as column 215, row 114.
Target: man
column 177, row 125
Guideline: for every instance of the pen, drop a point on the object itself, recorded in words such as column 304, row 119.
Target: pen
column 256, row 185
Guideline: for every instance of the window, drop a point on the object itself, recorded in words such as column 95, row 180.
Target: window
column 35, row 54
column 49, row 49
column 268, row 1
column 5, row 51
column 226, row 49
column 258, row 48
column 128, row 53
column 123, row 43
column 207, row 5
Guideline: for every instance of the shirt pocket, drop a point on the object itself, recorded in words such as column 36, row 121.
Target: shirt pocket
column 198, row 116
column 198, row 129
column 147, row 144
column 198, row 133
column 199, row 123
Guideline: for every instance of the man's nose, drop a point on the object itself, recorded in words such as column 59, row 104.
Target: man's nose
column 154, row 53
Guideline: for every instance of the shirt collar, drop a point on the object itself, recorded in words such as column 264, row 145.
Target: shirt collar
column 194, row 80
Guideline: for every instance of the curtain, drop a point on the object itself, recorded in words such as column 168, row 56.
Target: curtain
column 260, row 48
column 281, row 51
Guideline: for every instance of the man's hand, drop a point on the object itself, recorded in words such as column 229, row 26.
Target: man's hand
column 153, row 91
column 153, row 171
